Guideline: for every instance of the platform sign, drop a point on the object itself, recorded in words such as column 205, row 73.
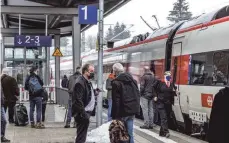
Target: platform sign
column 32, row 41
column 57, row 53
column 88, row 14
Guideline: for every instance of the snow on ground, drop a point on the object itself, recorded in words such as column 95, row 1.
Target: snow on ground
column 100, row 134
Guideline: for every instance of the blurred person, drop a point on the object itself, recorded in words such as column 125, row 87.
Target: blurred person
column 71, row 85
column 64, row 82
column 34, row 84
column 44, row 104
column 125, row 98
column 11, row 92
column 83, row 102
column 3, row 118
column 147, row 94
column 109, row 92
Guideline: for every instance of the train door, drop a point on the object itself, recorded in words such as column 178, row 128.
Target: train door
column 176, row 58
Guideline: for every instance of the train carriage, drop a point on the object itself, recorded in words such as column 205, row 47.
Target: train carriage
column 197, row 54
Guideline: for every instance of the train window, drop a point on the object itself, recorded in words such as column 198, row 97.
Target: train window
column 222, row 13
column 211, row 69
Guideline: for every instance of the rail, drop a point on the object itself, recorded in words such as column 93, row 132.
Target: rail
column 24, row 95
column 62, row 96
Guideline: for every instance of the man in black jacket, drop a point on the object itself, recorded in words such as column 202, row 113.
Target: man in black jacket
column 3, row 117
column 83, row 102
column 71, row 85
column 218, row 125
column 125, row 98
column 11, row 91
column 35, row 98
column 147, row 81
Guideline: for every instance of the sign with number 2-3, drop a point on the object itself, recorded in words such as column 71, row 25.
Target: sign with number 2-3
column 88, row 14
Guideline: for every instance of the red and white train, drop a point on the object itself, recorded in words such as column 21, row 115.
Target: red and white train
column 198, row 50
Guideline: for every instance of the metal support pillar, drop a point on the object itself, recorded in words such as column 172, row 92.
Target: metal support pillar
column 57, row 64
column 47, row 49
column 1, row 54
column 76, row 42
column 100, row 65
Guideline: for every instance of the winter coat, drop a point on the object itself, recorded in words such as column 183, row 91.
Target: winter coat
column 81, row 96
column 37, row 94
column 72, row 82
column 219, row 119
column 108, row 86
column 64, row 82
column 125, row 96
column 2, row 96
column 147, row 81
column 10, row 88
column 165, row 94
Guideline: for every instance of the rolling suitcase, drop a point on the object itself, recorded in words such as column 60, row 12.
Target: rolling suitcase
column 21, row 115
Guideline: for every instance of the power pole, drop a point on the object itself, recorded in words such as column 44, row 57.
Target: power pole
column 83, row 41
column 154, row 16
column 100, row 66
column 147, row 23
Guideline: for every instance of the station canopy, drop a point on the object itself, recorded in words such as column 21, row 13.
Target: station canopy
column 61, row 21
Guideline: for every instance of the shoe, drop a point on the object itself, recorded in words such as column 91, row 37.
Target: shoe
column 11, row 122
column 42, row 125
column 151, row 127
column 167, row 135
column 67, row 126
column 144, row 127
column 33, row 125
column 74, row 125
column 4, row 140
column 39, row 126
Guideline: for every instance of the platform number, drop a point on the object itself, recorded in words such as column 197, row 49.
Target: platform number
column 88, row 14
column 85, row 12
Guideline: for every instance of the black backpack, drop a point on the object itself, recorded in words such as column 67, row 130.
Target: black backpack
column 21, row 115
column 131, row 88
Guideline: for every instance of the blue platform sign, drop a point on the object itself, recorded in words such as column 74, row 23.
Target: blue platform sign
column 32, row 41
column 88, row 14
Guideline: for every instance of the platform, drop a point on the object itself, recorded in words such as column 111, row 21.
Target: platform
column 56, row 133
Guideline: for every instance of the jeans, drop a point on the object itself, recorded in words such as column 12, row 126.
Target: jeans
column 69, row 116
column 10, row 106
column 109, row 109
column 148, row 113
column 129, row 123
column 3, row 122
column 36, row 101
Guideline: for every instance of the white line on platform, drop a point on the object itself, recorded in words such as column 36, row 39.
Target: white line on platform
column 155, row 135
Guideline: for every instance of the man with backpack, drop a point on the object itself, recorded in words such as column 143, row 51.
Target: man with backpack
column 34, row 84
column 71, row 85
column 125, row 98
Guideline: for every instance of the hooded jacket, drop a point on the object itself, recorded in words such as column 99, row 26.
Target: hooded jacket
column 218, row 125
column 10, row 88
column 38, row 94
column 147, row 81
column 125, row 96
column 72, row 82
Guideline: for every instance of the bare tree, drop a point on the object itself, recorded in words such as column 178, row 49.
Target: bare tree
column 91, row 42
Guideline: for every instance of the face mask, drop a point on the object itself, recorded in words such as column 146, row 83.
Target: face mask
column 92, row 75
column 168, row 78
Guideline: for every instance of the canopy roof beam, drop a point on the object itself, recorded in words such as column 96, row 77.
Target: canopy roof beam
column 37, row 10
